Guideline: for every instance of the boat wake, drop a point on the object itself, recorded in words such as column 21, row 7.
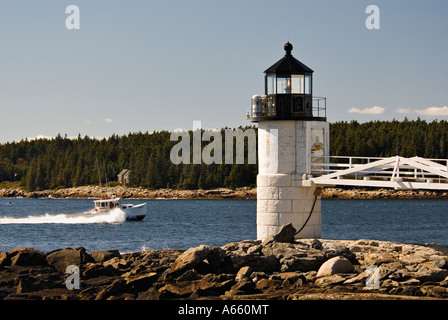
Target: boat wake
column 114, row 216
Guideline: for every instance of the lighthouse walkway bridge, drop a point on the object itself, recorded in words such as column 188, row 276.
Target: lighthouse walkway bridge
column 392, row 172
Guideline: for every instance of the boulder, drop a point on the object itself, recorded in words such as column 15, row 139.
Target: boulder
column 118, row 263
column 188, row 275
column 243, row 273
column 141, row 282
column 95, row 270
column 335, row 265
column 102, row 256
column 117, row 286
column 215, row 258
column 268, row 285
column 286, row 233
column 23, row 257
column 193, row 257
column 62, row 258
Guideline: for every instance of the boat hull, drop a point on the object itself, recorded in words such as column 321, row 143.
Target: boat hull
column 134, row 212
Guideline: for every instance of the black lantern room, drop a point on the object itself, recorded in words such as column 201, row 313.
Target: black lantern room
column 288, row 92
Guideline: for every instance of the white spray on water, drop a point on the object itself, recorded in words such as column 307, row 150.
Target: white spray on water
column 114, row 216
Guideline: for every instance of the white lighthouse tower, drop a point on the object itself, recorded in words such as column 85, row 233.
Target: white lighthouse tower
column 293, row 136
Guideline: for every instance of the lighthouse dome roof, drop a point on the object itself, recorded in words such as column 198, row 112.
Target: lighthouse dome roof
column 288, row 64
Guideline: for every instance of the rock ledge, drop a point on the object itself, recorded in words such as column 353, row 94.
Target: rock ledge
column 295, row 270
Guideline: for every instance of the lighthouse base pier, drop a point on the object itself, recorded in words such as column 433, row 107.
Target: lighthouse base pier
column 284, row 198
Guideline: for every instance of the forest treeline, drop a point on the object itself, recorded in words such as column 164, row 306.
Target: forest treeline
column 63, row 162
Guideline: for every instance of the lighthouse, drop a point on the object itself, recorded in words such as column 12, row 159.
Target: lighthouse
column 293, row 138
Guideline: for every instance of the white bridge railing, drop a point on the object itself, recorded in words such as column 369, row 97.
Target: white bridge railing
column 394, row 172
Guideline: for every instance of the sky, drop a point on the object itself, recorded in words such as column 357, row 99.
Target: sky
column 160, row 65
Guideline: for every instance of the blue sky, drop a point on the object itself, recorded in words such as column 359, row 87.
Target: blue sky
column 160, row 65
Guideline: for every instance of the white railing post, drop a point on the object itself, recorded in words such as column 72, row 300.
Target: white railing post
column 395, row 169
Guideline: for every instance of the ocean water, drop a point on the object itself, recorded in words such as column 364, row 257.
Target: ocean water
column 400, row 220
column 49, row 224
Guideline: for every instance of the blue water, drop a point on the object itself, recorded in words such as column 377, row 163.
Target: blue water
column 400, row 220
column 49, row 224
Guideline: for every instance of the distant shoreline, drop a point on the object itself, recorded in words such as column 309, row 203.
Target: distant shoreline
column 86, row 192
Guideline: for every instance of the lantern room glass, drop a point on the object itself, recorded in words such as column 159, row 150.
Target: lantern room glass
column 297, row 84
column 286, row 84
column 270, row 84
column 307, row 84
column 283, row 85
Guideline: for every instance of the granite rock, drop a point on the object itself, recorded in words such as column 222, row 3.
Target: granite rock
column 335, row 265
column 250, row 269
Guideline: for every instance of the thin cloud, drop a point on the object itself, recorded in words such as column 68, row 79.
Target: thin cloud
column 373, row 110
column 403, row 110
column 433, row 111
column 40, row 137
column 107, row 120
column 43, row 137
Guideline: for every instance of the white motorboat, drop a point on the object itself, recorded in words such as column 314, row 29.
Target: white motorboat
column 132, row 212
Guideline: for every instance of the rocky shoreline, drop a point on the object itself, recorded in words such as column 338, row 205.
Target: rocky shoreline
column 280, row 268
column 219, row 193
column 87, row 192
